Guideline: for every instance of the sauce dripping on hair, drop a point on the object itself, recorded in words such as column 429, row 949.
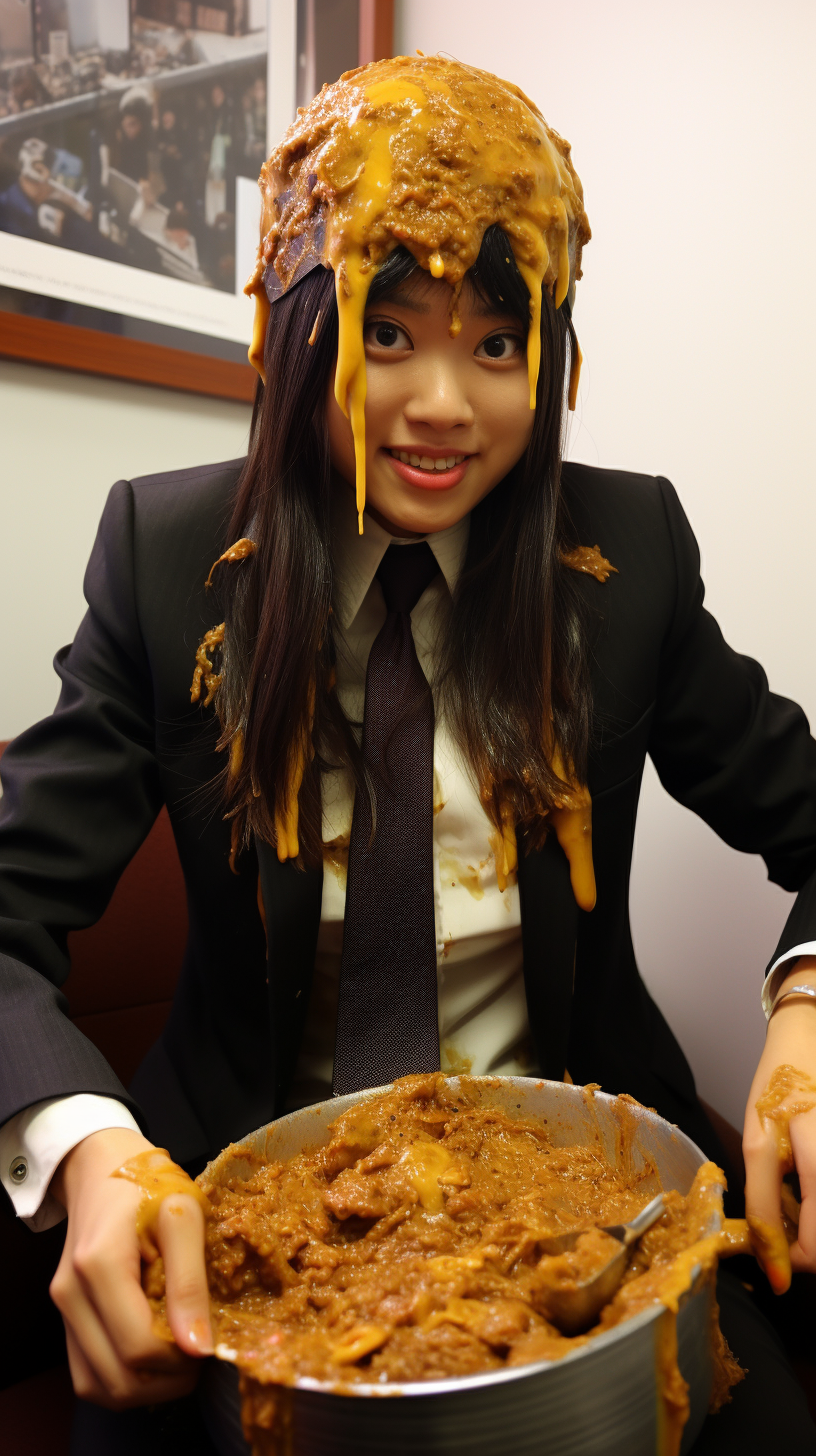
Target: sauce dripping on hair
column 239, row 551
column 571, row 818
column 427, row 153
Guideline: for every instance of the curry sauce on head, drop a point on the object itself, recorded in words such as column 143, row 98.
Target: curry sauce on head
column 418, row 1244
column 427, row 153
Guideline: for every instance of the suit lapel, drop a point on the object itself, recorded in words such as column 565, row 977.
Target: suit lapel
column 292, row 900
column 549, row 927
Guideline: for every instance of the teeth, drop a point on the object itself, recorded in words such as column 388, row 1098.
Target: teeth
column 425, row 462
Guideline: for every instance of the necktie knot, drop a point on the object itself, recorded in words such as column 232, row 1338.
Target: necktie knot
column 404, row 573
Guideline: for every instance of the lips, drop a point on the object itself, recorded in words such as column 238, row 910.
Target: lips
column 429, row 472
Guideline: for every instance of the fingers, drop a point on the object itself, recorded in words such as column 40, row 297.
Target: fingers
column 790, row 1043
column 108, row 1304
column 763, row 1183
column 803, row 1142
column 180, row 1234
column 100, row 1376
column 116, row 1358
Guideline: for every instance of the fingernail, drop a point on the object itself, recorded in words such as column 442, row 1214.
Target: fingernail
column 199, row 1335
column 779, row 1277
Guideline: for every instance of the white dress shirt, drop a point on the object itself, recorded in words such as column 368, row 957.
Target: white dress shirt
column 483, row 1024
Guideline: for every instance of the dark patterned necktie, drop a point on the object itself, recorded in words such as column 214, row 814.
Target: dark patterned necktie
column 387, row 1021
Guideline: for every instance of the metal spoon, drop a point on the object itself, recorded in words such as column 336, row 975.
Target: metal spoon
column 576, row 1307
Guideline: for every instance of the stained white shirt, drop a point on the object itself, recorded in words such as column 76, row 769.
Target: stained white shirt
column 483, row 1024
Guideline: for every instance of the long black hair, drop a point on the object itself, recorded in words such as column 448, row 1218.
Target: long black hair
column 513, row 678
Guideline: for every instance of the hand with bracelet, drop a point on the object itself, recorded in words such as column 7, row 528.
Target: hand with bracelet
column 116, row 1359
column 790, row 1042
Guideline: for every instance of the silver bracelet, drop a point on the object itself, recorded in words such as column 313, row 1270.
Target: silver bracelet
column 793, row 991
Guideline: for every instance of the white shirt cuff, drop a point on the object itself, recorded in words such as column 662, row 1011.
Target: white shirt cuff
column 34, row 1143
column 779, row 970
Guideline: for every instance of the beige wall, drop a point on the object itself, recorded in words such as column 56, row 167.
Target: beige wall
column 694, row 130
column 66, row 439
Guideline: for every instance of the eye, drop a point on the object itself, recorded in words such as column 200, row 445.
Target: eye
column 382, row 334
column 499, row 346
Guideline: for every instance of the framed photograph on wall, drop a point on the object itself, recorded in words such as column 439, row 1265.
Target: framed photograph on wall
column 132, row 133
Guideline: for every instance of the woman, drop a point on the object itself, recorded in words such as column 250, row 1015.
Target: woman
column 555, row 665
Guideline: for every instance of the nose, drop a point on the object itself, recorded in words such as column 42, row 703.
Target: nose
column 440, row 399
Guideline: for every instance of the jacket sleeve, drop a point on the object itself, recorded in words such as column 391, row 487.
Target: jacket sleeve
column 81, row 790
column 728, row 748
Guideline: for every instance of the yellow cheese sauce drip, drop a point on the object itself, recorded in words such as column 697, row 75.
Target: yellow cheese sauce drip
column 505, row 849
column 260, row 324
column 533, row 277
column 350, row 379
column 573, row 830
column 572, row 821
column 353, row 271
column 287, row 817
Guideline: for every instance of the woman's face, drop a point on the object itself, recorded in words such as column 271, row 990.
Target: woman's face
column 432, row 398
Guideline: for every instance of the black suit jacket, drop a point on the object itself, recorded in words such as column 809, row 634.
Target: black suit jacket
column 83, row 787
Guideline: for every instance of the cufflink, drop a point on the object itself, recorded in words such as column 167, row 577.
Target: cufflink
column 18, row 1170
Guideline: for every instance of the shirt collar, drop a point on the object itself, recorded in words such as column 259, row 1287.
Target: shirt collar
column 357, row 557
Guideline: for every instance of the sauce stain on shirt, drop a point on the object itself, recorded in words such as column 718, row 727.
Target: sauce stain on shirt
column 453, row 1062
column 335, row 858
column 454, row 872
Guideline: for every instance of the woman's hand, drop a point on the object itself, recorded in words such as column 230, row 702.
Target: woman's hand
column 791, row 1040
column 116, row 1359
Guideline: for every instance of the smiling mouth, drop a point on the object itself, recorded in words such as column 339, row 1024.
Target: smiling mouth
column 426, row 462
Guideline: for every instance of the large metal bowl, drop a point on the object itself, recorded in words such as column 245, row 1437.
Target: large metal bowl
column 602, row 1400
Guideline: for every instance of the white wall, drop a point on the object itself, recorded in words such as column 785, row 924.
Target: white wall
column 693, row 128
column 65, row 439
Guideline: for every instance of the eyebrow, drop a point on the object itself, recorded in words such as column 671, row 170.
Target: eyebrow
column 483, row 308
column 410, row 299
column 403, row 298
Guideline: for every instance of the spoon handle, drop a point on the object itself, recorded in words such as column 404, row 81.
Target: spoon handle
column 628, row 1232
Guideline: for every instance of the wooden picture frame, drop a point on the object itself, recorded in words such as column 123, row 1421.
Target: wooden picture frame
column 95, row 351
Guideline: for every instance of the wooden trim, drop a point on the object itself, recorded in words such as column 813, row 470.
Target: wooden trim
column 376, row 30
column 65, row 346
column 91, row 351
